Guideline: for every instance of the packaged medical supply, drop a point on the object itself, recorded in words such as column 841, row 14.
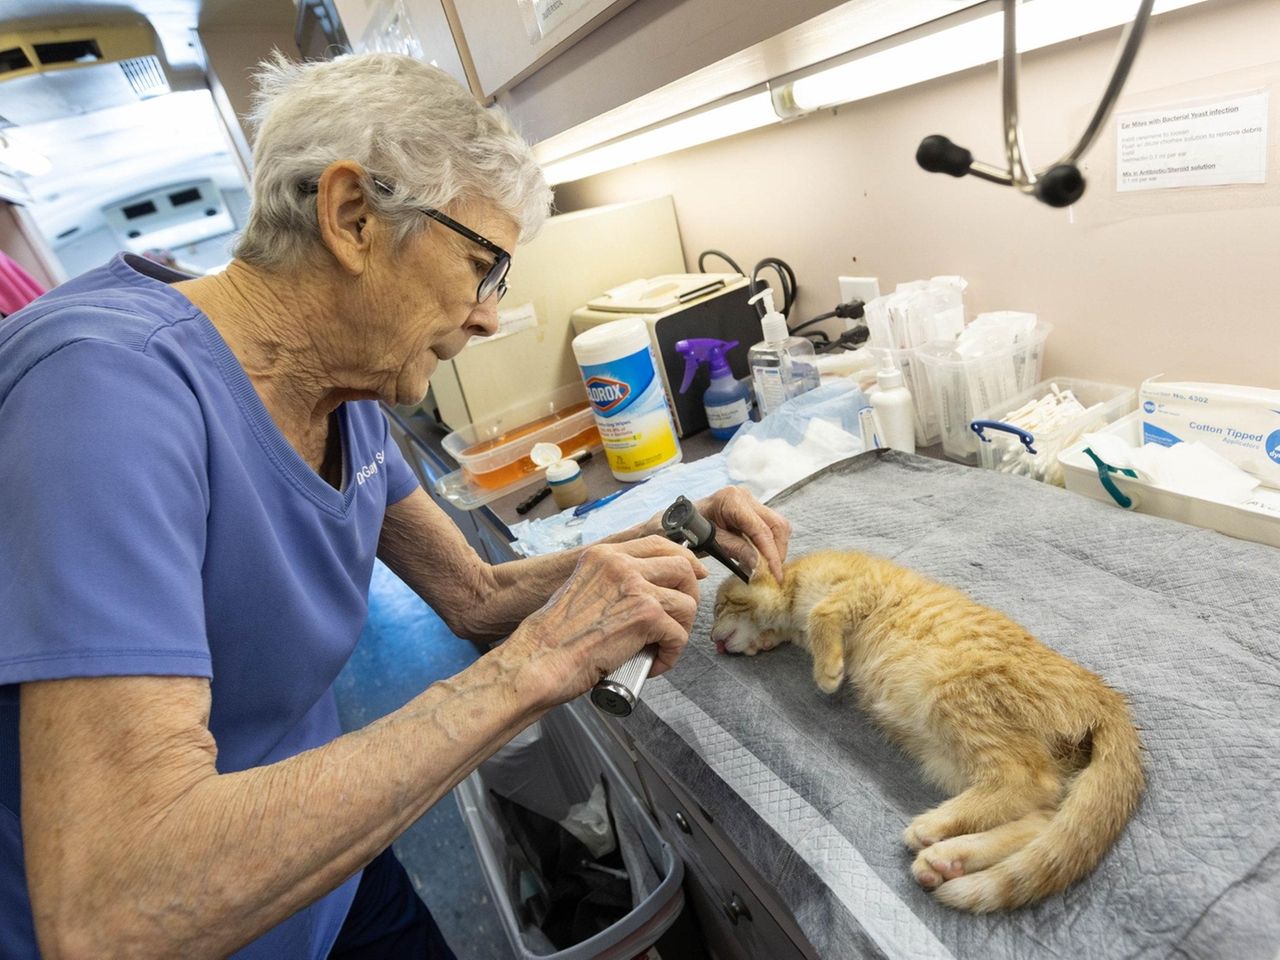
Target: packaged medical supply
column 916, row 313
column 627, row 398
column 869, row 429
column 726, row 399
column 1240, row 423
column 894, row 410
column 858, row 365
column 805, row 435
column 995, row 332
column 782, row 366
column 1024, row 434
column 960, row 384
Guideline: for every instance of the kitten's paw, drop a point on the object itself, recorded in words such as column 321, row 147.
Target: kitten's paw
column 914, row 840
column 828, row 683
column 926, row 830
column 933, row 867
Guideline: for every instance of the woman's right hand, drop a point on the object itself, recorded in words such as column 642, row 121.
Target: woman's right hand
column 620, row 598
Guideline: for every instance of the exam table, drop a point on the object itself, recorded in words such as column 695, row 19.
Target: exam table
column 786, row 805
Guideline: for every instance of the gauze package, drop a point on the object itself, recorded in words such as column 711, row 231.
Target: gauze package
column 1241, row 424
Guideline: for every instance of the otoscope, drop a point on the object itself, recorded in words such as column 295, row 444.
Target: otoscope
column 683, row 524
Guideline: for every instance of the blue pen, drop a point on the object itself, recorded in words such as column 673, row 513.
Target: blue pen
column 594, row 504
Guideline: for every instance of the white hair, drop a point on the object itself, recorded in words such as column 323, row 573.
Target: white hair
column 409, row 124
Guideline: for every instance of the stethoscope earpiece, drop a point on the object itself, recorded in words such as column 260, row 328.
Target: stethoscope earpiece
column 937, row 154
column 1060, row 186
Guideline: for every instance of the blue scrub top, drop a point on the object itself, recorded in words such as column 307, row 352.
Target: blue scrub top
column 155, row 521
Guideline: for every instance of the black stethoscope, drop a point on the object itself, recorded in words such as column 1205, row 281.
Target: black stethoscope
column 1060, row 184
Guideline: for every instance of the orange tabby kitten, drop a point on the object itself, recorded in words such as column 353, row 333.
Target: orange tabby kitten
column 1041, row 756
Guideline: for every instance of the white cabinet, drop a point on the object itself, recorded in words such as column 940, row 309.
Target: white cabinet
column 555, row 65
column 419, row 28
column 510, row 39
column 662, row 57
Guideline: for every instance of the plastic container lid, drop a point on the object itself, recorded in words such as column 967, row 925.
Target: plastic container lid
column 609, row 341
column 562, row 471
column 889, row 378
column 545, row 454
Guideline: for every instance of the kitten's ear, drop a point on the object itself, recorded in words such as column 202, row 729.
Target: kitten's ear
column 760, row 575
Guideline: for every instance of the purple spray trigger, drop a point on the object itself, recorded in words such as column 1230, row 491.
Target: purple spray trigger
column 702, row 350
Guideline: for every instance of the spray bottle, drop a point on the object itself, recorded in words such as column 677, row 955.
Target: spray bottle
column 727, row 401
column 782, row 366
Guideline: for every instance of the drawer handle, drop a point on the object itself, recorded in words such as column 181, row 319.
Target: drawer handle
column 735, row 909
column 681, row 822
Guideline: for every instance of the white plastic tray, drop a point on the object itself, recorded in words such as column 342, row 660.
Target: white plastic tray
column 464, row 494
column 1257, row 519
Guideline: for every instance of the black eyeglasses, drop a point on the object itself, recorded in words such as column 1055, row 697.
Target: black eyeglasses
column 495, row 280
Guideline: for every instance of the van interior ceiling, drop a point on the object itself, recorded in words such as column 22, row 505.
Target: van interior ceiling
column 116, row 132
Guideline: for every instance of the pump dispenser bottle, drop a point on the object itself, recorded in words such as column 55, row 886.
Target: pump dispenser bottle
column 782, row 366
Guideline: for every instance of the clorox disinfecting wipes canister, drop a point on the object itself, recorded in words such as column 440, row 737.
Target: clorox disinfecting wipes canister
column 627, row 398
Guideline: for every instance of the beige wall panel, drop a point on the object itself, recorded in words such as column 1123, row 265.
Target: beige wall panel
column 1185, row 286
column 576, row 257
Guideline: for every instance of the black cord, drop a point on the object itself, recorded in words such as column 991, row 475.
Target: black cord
column 722, row 255
column 849, row 340
column 818, row 319
column 853, row 310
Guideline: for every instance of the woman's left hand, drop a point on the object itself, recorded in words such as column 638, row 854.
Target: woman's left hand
column 746, row 529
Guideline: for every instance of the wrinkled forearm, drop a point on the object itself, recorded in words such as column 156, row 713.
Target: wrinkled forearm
column 199, row 864
column 519, row 587
column 478, row 601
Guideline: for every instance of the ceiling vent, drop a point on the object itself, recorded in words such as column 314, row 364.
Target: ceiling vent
column 52, row 71
column 146, row 76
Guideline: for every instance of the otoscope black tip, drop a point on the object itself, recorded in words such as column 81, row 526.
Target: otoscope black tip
column 937, row 154
column 1060, row 186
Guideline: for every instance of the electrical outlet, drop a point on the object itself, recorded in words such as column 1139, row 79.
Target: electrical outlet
column 865, row 289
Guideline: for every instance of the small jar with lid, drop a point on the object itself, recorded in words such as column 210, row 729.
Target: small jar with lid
column 564, row 477
column 568, row 489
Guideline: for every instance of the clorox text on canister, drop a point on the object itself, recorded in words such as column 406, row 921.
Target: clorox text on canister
column 627, row 398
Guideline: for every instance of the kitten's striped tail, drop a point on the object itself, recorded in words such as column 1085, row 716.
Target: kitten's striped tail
column 1094, row 810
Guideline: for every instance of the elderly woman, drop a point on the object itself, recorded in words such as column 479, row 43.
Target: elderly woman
column 197, row 478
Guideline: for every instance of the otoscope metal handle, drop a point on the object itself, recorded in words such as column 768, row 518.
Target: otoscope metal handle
column 618, row 692
column 683, row 524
